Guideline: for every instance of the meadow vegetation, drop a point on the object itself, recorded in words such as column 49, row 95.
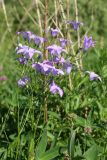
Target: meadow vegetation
column 37, row 122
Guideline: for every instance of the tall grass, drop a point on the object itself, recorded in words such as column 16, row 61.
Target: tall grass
column 76, row 124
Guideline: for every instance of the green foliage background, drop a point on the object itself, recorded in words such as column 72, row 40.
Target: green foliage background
column 20, row 123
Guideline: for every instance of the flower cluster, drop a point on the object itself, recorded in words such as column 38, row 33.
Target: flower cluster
column 56, row 64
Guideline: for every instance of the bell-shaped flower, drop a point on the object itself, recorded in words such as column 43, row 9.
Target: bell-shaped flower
column 55, row 50
column 27, row 35
column 54, row 32
column 47, row 67
column 55, row 89
column 63, row 42
column 75, row 24
column 67, row 67
column 88, row 42
column 28, row 52
column 59, row 59
column 24, row 81
column 93, row 76
column 39, row 40
column 22, row 60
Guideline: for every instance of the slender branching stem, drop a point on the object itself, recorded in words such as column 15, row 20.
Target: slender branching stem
column 56, row 12
column 39, row 16
column 78, row 32
column 68, row 36
column 76, row 16
column 45, row 57
column 62, row 9
column 45, row 28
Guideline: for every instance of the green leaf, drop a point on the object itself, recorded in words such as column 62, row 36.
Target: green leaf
column 78, row 151
column 53, row 114
column 71, row 145
column 42, row 145
column 50, row 154
column 80, row 121
column 104, row 71
column 91, row 153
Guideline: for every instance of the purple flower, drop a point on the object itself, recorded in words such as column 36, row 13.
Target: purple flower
column 57, row 72
column 46, row 67
column 60, row 60
column 31, row 36
column 28, row 52
column 67, row 67
column 88, row 42
column 55, row 89
column 75, row 24
column 24, row 81
column 55, row 50
column 63, row 42
column 22, row 60
column 93, row 76
column 27, row 35
column 54, row 32
column 39, row 40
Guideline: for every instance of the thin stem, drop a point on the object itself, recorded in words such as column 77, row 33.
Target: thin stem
column 45, row 110
column 27, row 12
column 45, row 28
column 39, row 17
column 76, row 16
column 68, row 8
column 45, row 57
column 62, row 9
column 5, row 14
column 56, row 12
column 78, row 33
column 68, row 37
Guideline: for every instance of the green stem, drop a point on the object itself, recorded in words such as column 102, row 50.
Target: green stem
column 78, row 33
column 45, row 57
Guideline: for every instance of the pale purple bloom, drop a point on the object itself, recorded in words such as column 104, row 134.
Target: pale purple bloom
column 3, row 78
column 28, row 52
column 65, row 64
column 57, row 72
column 55, row 89
column 55, row 50
column 39, row 40
column 63, row 42
column 60, row 60
column 31, row 36
column 24, row 81
column 27, row 35
column 67, row 67
column 93, row 76
column 88, row 42
column 75, row 24
column 46, row 67
column 54, row 32
column 22, row 60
